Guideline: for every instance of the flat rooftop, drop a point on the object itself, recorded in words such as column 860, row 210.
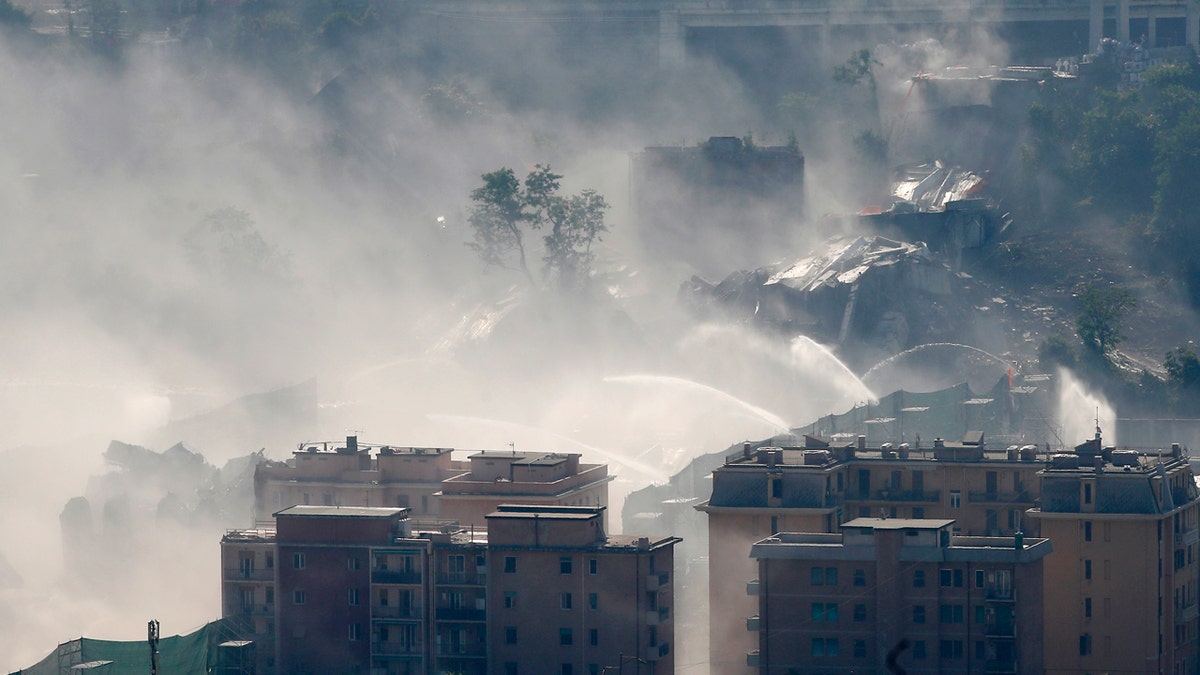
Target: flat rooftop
column 899, row 523
column 343, row 511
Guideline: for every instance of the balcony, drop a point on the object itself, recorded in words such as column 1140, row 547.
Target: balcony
column 243, row 574
column 995, row 594
column 657, row 616
column 462, row 651
column 752, row 587
column 1187, row 538
column 1020, row 497
column 256, row 610
column 395, row 649
column 656, row 652
column 460, row 614
column 752, row 623
column 395, row 577
column 462, row 579
column 752, row 659
column 1187, row 613
column 919, row 496
column 657, row 580
column 396, row 612
column 999, row 667
column 1000, row 630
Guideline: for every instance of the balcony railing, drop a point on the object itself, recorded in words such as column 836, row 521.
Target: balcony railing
column 462, row 579
column 1187, row 538
column 657, row 580
column 656, row 652
column 396, row 612
column 395, row 577
column 242, row 574
column 920, row 496
column 460, row 614
column 256, row 610
column 395, row 648
column 752, row 659
column 1001, row 594
column 657, row 616
column 1184, row 614
column 461, row 650
column 752, row 587
column 1000, row 630
column 999, row 667
column 752, row 623
column 1019, row 497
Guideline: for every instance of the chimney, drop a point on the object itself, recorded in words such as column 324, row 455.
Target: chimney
column 939, row 443
column 746, row 450
column 352, row 443
column 862, row 442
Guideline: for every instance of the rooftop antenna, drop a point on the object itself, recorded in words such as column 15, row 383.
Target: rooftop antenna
column 1097, row 423
column 513, row 446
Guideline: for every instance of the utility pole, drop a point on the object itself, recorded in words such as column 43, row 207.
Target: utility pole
column 152, row 638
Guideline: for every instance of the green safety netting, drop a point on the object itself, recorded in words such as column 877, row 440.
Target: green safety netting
column 196, row 653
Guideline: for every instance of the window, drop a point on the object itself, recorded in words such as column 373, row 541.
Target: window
column 950, row 649
column 270, row 561
column 593, row 566
column 919, row 650
column 818, row 576
column 950, row 613
column 824, row 611
column 510, row 564
column 918, row 613
column 1087, row 493
column 1087, row 569
column 298, row 561
column 860, row 577
column 565, row 636
column 860, row 649
column 510, row 668
column 860, row 612
column 565, row 669
column 918, row 511
column 824, row 647
column 270, row 595
column 510, row 599
column 593, row 601
column 1087, row 530
column 918, row 578
column 979, row 579
column 1087, row 608
column 383, row 597
column 593, row 637
column 949, row 578
column 354, row 630
column 352, row 596
column 564, row 601
column 774, row 524
column 353, row 563
column 831, row 576
column 955, row 499
column 980, row 650
column 298, row 597
column 564, row 565
column 979, row 614
column 1085, row 644
column 510, row 635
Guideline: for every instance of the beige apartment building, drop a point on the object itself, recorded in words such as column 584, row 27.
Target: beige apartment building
column 567, row 599
column 900, row 587
column 367, row 590
column 1121, row 587
column 820, row 486
column 427, row 481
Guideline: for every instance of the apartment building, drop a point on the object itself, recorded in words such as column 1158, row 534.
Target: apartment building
column 1121, row 587
column 566, row 598
column 334, row 589
column 427, row 481
column 845, row 602
column 495, row 478
column 822, row 484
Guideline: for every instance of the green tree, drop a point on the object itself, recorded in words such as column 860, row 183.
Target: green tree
column 12, row 15
column 1101, row 316
column 1183, row 367
column 505, row 209
column 856, row 69
column 1114, row 154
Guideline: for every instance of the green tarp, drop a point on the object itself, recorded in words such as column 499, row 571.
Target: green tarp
column 192, row 654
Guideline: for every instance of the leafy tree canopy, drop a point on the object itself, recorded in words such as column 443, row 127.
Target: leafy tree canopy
column 1101, row 315
column 505, row 210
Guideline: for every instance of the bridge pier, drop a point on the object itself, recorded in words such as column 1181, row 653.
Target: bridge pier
column 1095, row 24
column 672, row 47
column 1193, row 25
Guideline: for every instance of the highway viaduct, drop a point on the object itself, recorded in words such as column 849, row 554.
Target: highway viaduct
column 675, row 18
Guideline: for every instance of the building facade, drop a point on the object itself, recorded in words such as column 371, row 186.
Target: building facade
column 1121, row 587
column 566, row 598
column 427, row 481
column 335, row 589
column 901, row 588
